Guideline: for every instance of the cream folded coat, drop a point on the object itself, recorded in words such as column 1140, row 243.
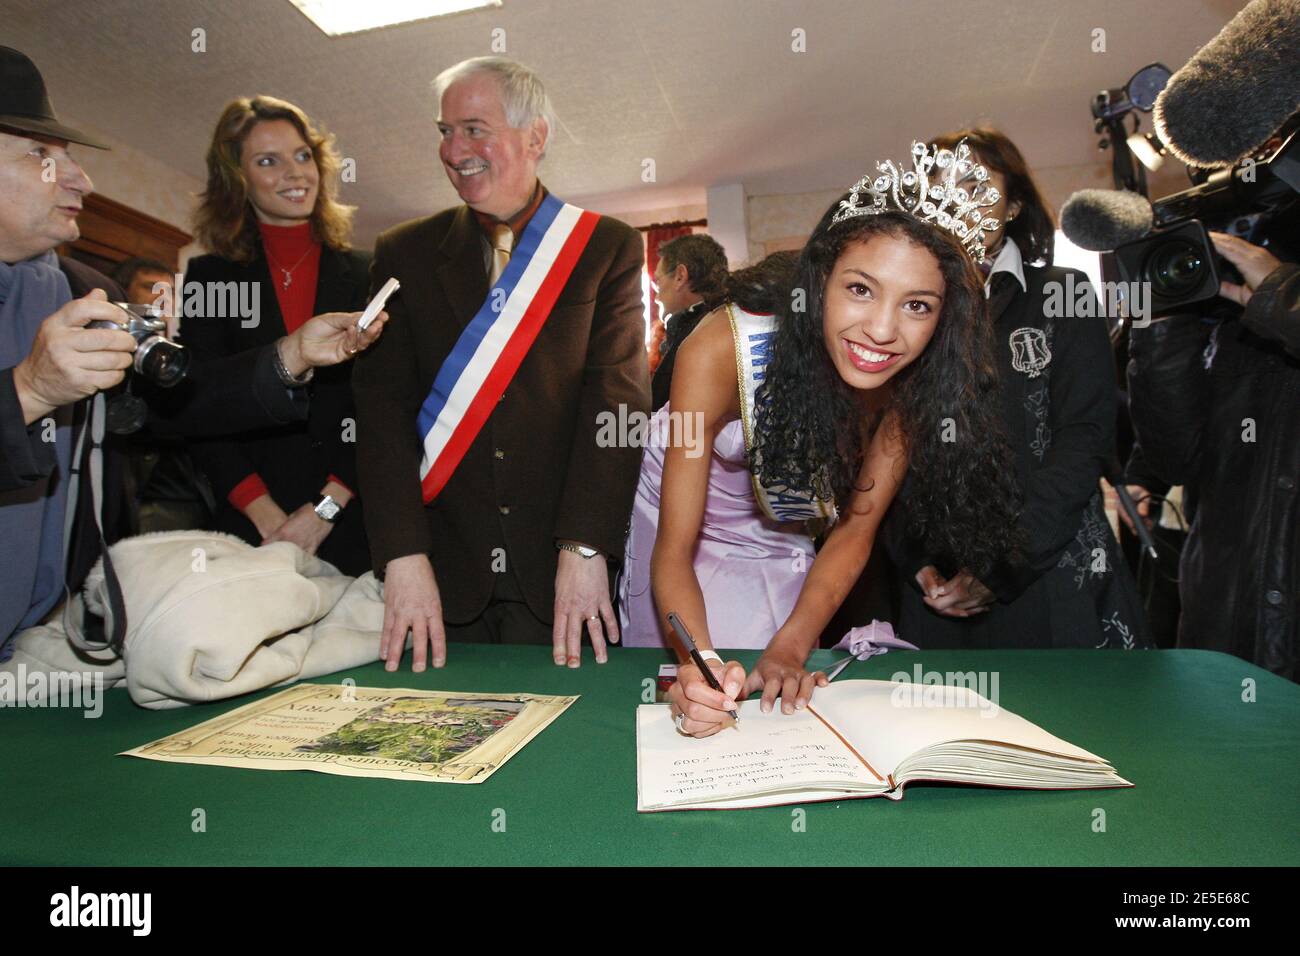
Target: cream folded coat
column 210, row 617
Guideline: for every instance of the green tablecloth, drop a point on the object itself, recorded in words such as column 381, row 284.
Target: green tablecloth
column 1217, row 780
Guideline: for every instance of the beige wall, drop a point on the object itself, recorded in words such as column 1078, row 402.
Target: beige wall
column 140, row 181
column 784, row 222
column 648, row 217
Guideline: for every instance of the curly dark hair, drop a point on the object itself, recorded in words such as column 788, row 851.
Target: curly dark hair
column 764, row 288
column 962, row 499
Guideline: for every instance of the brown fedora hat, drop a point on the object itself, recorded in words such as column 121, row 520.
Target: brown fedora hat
column 24, row 104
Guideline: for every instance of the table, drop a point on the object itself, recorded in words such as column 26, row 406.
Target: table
column 1217, row 780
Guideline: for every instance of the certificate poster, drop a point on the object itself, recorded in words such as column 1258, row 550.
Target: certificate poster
column 434, row 736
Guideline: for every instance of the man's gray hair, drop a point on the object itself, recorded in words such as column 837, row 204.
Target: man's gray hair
column 522, row 94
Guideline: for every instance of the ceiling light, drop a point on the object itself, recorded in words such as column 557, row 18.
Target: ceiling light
column 337, row 17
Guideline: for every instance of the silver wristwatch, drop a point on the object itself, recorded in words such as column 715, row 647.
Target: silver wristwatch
column 579, row 549
column 327, row 509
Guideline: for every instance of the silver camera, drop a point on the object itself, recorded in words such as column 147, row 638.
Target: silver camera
column 157, row 358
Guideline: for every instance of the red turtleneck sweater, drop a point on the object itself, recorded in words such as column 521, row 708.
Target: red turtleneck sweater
column 292, row 248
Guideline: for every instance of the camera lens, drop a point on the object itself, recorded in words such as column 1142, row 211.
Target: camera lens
column 163, row 363
column 1174, row 268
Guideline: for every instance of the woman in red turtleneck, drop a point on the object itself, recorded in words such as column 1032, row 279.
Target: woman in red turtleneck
column 270, row 216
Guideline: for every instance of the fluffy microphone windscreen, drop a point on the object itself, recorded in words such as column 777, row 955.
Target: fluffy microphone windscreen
column 1237, row 90
column 1100, row 220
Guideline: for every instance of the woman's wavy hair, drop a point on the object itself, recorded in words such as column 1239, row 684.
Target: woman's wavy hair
column 962, row 499
column 225, row 222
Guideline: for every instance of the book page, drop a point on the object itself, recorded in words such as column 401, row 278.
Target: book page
column 888, row 722
column 764, row 754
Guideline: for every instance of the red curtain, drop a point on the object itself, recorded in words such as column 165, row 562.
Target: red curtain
column 654, row 236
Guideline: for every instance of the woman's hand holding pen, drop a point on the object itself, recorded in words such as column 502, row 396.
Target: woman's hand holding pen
column 705, row 710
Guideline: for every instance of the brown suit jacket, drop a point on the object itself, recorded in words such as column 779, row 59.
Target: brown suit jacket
column 535, row 472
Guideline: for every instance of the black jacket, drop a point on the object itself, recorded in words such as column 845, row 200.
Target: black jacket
column 678, row 326
column 1216, row 407
column 294, row 460
column 1061, row 428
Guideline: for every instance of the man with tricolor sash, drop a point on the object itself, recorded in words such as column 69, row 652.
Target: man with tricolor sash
column 493, row 513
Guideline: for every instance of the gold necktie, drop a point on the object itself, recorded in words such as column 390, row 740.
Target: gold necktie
column 502, row 242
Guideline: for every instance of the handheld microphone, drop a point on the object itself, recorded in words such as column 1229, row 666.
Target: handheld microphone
column 1115, row 475
column 1100, row 220
column 1225, row 103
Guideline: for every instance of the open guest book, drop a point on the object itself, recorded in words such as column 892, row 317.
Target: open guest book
column 857, row 738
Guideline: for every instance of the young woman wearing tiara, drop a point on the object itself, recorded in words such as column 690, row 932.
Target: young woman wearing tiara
column 877, row 361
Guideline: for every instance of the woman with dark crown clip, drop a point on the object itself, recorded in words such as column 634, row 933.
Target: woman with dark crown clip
column 875, row 364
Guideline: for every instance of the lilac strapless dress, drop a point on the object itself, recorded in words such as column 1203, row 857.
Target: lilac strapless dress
column 750, row 567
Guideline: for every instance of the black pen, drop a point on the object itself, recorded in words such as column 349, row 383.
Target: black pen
column 700, row 662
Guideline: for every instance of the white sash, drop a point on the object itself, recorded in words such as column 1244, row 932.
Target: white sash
column 753, row 336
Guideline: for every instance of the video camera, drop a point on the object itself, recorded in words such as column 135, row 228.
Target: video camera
column 1177, row 258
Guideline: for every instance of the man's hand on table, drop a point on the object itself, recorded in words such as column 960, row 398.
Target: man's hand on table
column 412, row 603
column 582, row 599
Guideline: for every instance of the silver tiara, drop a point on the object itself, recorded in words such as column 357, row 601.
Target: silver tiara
column 943, row 200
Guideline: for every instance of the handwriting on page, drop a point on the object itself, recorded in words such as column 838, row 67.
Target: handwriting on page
column 779, row 759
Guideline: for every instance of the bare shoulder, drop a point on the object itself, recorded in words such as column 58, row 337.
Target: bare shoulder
column 704, row 373
column 710, row 341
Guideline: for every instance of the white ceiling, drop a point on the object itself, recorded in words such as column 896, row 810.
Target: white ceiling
column 709, row 89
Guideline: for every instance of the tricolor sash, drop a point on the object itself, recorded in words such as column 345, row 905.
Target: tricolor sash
column 753, row 336
column 493, row 345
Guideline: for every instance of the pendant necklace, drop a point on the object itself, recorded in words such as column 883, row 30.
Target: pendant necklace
column 288, row 273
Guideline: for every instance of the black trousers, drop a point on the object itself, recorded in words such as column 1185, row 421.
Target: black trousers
column 506, row 620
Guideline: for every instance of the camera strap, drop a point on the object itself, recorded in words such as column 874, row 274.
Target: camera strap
column 95, row 428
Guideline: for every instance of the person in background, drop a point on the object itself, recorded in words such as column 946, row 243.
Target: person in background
column 1058, row 407
column 52, row 366
column 690, row 280
column 507, row 535
column 165, row 490
column 1213, row 395
column 270, row 216
column 143, row 279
